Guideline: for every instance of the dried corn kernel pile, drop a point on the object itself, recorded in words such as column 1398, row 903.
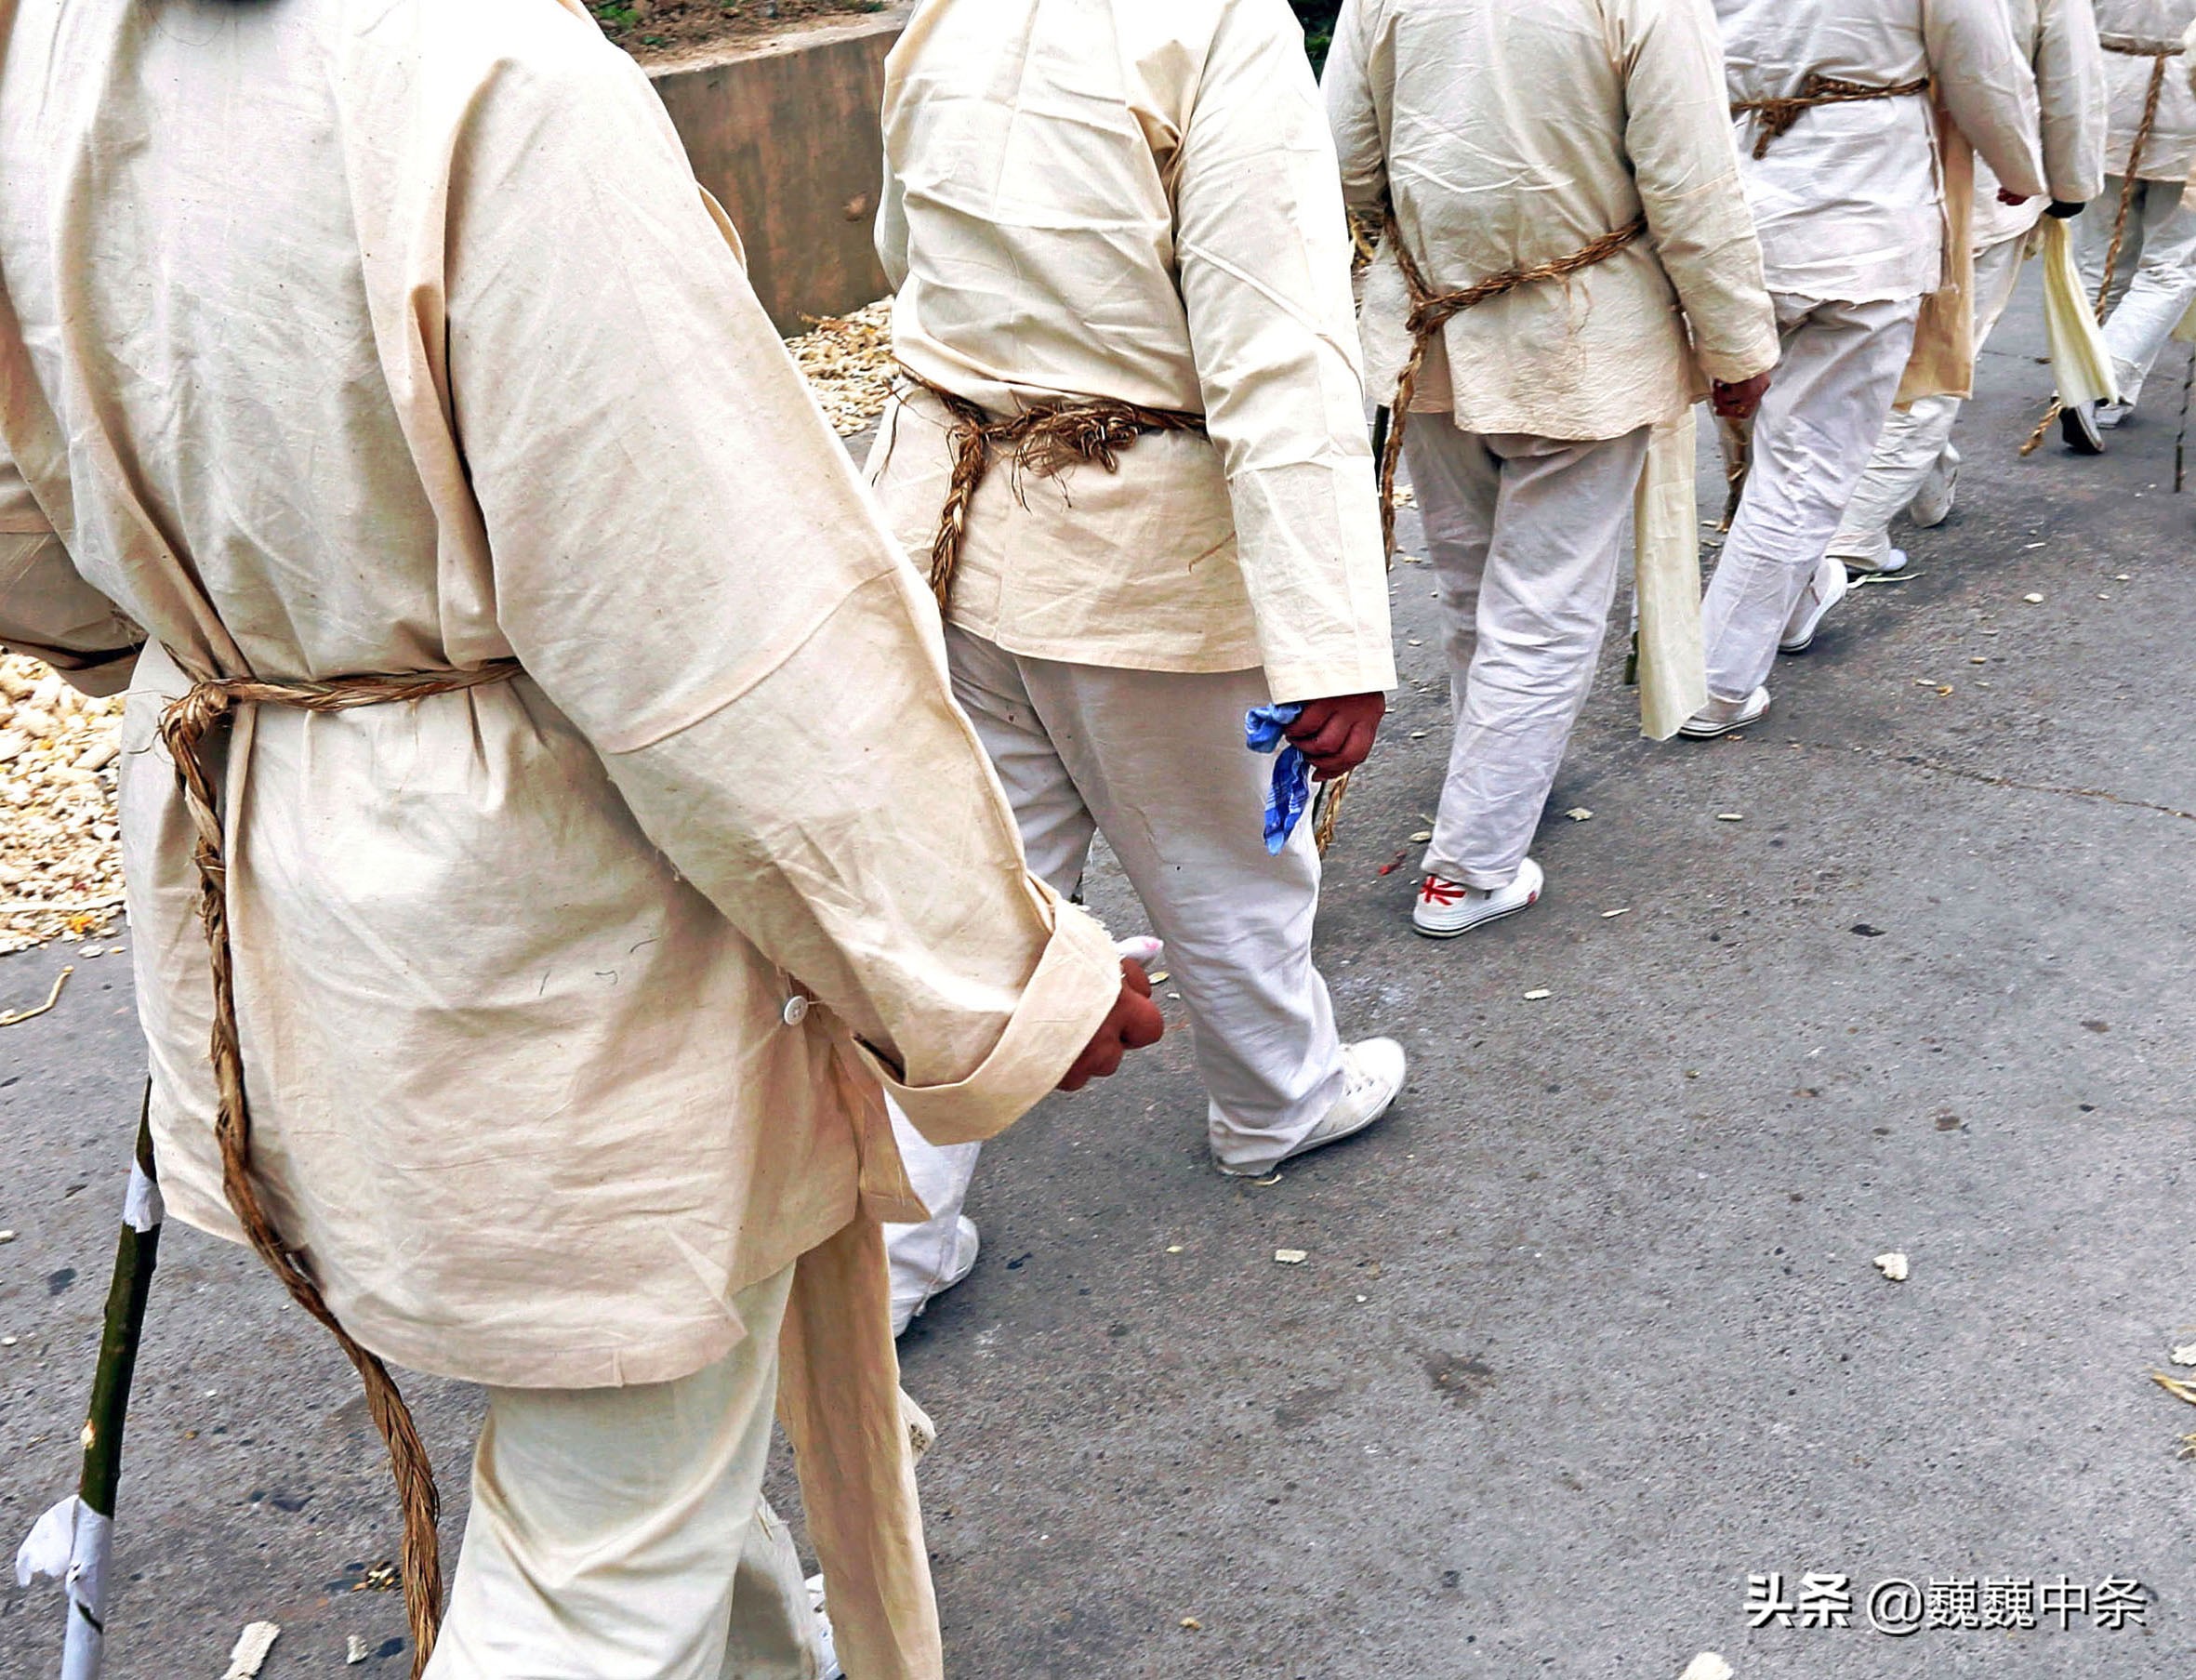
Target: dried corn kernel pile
column 60, row 868
column 848, row 361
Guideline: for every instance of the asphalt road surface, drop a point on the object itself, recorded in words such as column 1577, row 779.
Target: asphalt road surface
column 1588, row 1333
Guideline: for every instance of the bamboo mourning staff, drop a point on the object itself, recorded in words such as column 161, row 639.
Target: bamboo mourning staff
column 74, row 1539
column 2158, row 52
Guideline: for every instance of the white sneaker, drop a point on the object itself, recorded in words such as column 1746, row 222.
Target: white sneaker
column 1721, row 717
column 966, row 1245
column 1824, row 590
column 827, row 1643
column 1933, row 502
column 2109, row 415
column 1446, row 909
column 1859, row 567
column 1373, row 1073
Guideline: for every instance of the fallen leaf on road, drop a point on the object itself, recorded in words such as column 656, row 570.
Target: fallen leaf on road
column 2034, row 601
column 1611, row 915
column 1893, row 1266
column 1291, row 1257
column 1579, row 814
column 1193, row 1625
column 355, row 1649
column 16, row 1017
column 1730, row 816
column 2185, row 1355
column 1708, row 1665
column 1537, row 993
column 1419, row 836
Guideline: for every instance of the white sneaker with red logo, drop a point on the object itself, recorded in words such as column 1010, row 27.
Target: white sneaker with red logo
column 1446, row 909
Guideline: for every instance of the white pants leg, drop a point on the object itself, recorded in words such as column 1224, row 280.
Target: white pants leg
column 1812, row 439
column 921, row 1257
column 1918, row 441
column 1524, row 534
column 2158, row 272
column 1156, row 762
column 1056, row 829
column 619, row 1533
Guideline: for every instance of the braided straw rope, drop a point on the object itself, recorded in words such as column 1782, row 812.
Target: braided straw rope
column 1432, row 310
column 185, row 727
column 1045, row 440
column 1779, row 115
column 2157, row 52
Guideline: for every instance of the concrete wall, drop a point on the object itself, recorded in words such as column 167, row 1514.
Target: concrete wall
column 786, row 134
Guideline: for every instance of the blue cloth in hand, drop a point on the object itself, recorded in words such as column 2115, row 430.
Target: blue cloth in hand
column 1290, row 793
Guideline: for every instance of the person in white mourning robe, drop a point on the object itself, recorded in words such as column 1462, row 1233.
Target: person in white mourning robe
column 1916, row 467
column 2150, row 150
column 373, row 347
column 1831, row 100
column 1128, row 213
column 1504, row 134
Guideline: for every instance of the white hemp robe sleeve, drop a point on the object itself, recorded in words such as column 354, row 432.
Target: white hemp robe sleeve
column 702, row 636
column 2069, row 72
column 1262, row 249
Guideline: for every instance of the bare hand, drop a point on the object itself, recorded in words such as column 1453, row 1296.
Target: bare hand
column 1133, row 1023
column 1738, row 401
column 1335, row 734
column 2012, row 198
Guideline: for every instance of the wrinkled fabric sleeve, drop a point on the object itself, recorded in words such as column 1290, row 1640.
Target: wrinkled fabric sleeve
column 1685, row 163
column 2071, row 89
column 891, row 227
column 1353, row 108
column 47, row 609
column 690, row 570
column 1984, row 78
column 1263, row 248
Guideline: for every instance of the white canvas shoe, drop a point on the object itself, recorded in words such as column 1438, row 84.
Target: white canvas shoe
column 1933, row 502
column 1446, row 909
column 967, row 1243
column 1373, row 1072
column 2109, row 415
column 1721, row 717
column 1824, row 590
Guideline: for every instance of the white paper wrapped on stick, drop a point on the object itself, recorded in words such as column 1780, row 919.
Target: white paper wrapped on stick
column 141, row 1207
column 1666, row 583
column 2080, row 364
column 70, row 1544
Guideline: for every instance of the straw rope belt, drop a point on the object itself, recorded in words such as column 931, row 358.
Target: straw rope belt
column 1778, row 115
column 1432, row 310
column 186, row 727
column 1044, row 439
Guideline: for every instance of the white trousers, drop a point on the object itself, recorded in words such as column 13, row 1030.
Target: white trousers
column 1918, row 441
column 1812, row 437
column 1155, row 760
column 2154, row 281
column 1523, row 534
column 620, row 1533
column 921, row 1256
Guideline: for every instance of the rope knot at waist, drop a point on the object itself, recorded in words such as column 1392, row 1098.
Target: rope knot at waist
column 184, row 728
column 1044, row 439
column 1778, row 115
column 1432, row 310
